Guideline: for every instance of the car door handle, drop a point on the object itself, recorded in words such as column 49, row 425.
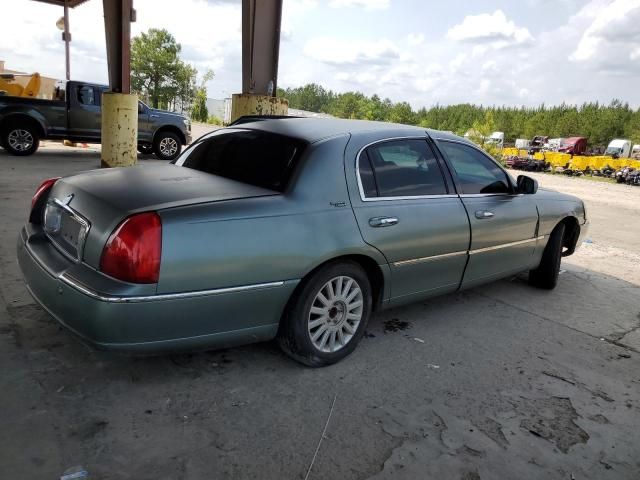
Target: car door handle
column 154, row 116
column 482, row 214
column 383, row 221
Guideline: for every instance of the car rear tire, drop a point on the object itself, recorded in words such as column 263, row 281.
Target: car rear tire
column 167, row 145
column 20, row 139
column 546, row 275
column 327, row 316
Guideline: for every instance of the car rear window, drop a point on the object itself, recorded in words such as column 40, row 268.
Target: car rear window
column 259, row 158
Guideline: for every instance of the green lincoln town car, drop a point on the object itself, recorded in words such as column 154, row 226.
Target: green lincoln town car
column 289, row 228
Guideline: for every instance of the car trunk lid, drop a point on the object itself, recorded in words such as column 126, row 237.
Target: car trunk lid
column 103, row 198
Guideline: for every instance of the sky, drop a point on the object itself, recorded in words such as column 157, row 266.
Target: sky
column 489, row 52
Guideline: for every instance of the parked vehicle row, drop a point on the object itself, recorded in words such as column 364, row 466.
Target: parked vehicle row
column 629, row 175
column 617, row 148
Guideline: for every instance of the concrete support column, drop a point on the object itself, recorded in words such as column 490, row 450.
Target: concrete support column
column 119, row 129
column 119, row 107
column 260, row 50
column 247, row 104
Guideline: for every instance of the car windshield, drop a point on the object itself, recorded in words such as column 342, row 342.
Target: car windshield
column 259, row 158
column 613, row 151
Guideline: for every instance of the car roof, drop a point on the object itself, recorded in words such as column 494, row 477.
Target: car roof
column 316, row 129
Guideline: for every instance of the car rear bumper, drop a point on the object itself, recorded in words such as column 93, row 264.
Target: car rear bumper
column 150, row 323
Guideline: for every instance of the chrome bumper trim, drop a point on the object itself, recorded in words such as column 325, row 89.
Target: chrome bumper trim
column 163, row 296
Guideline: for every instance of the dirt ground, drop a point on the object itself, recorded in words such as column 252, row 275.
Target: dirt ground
column 502, row 381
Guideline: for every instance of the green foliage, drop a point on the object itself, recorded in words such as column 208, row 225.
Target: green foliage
column 157, row 73
column 199, row 111
column 600, row 123
column 213, row 120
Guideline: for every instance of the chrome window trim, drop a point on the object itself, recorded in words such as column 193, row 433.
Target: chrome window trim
column 482, row 195
column 428, row 259
column 163, row 296
column 416, row 197
column 407, row 197
column 81, row 241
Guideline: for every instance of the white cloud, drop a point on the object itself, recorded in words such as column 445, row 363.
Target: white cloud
column 415, row 39
column 210, row 38
column 340, row 52
column 612, row 39
column 491, row 28
column 367, row 4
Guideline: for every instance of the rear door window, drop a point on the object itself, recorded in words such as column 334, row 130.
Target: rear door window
column 401, row 168
column 258, row 158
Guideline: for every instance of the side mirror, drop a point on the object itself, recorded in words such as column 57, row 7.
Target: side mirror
column 527, row 185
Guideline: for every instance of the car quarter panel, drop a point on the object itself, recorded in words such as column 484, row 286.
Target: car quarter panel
column 256, row 240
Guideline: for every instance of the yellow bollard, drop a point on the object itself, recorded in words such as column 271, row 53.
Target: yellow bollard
column 248, row 104
column 119, row 129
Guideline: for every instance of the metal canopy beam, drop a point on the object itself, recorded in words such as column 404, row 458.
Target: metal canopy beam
column 260, row 46
column 60, row 3
column 118, row 15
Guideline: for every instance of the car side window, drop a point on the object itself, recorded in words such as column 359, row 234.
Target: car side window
column 475, row 171
column 86, row 95
column 400, row 168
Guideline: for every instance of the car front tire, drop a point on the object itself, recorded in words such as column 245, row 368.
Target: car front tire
column 167, row 145
column 546, row 275
column 327, row 317
column 21, row 139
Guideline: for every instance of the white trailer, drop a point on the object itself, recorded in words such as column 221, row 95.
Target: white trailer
column 619, row 148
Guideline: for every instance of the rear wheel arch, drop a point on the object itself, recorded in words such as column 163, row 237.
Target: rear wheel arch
column 368, row 264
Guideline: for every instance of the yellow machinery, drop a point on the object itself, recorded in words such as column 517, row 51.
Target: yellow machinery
column 9, row 85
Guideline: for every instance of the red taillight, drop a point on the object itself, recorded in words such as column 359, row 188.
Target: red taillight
column 133, row 250
column 42, row 190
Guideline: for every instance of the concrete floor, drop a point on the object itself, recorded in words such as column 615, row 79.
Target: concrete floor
column 503, row 381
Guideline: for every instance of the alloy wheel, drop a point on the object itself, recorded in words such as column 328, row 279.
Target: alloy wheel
column 168, row 146
column 336, row 312
column 20, row 140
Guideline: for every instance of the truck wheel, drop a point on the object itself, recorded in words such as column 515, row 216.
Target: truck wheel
column 145, row 149
column 167, row 145
column 20, row 140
